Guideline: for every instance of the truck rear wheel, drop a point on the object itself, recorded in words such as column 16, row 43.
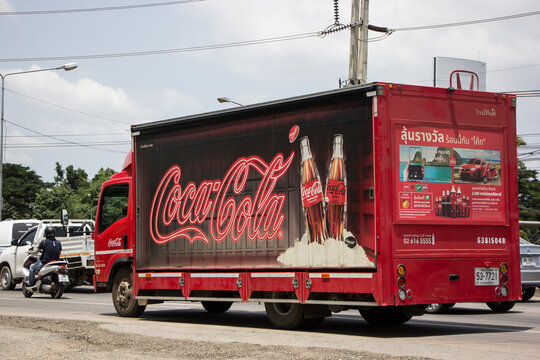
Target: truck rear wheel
column 216, row 307
column 388, row 315
column 122, row 293
column 285, row 315
column 501, row 306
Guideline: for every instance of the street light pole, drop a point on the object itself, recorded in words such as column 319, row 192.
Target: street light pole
column 66, row 67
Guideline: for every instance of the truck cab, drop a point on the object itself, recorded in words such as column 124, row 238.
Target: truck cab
column 114, row 234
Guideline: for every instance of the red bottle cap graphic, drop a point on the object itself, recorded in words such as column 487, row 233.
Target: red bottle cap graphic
column 293, row 133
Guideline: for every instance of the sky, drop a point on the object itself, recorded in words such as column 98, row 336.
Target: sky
column 87, row 112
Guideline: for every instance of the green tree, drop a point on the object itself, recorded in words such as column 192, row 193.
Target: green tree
column 71, row 191
column 529, row 198
column 19, row 188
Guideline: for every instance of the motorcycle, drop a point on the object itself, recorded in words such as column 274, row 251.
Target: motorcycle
column 51, row 279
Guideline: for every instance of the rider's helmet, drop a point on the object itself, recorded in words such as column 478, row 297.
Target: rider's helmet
column 50, row 233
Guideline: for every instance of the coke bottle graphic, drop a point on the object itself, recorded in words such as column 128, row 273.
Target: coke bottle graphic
column 453, row 202
column 459, row 203
column 312, row 195
column 336, row 191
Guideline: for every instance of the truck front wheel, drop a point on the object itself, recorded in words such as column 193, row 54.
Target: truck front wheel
column 122, row 294
column 388, row 315
column 285, row 315
column 216, row 307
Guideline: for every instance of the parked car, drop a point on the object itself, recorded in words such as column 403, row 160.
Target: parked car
column 530, row 275
column 530, row 268
column 477, row 169
column 13, row 230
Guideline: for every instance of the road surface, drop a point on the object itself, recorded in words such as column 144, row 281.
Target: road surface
column 467, row 331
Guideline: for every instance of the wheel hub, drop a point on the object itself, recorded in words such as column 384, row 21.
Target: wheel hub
column 124, row 293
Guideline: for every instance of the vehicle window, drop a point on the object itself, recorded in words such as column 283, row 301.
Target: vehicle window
column 28, row 238
column 477, row 162
column 113, row 205
column 82, row 229
column 60, row 231
column 20, row 228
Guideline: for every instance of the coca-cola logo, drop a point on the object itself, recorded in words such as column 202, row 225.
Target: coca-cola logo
column 336, row 192
column 114, row 242
column 311, row 193
column 215, row 201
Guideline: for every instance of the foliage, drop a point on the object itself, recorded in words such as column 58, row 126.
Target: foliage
column 19, row 190
column 529, row 199
column 26, row 196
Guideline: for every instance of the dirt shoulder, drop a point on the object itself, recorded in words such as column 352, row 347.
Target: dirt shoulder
column 71, row 339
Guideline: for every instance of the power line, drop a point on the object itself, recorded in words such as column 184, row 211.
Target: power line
column 70, row 11
column 66, row 108
column 65, row 135
column 471, row 22
column 169, row 51
column 60, row 139
column 56, row 145
column 248, row 42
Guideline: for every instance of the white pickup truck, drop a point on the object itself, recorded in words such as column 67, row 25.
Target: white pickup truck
column 77, row 250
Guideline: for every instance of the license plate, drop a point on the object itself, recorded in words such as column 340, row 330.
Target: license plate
column 63, row 278
column 486, row 276
column 528, row 261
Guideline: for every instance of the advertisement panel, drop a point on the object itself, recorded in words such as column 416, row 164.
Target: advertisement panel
column 449, row 176
column 257, row 192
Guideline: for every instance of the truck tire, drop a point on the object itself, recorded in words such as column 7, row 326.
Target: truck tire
column 6, row 279
column 286, row 316
column 216, row 307
column 387, row 315
column 439, row 308
column 122, row 294
column 501, row 306
column 528, row 293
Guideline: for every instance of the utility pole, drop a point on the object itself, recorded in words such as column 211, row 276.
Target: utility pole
column 359, row 36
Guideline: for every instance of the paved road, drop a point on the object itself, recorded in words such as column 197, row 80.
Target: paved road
column 468, row 331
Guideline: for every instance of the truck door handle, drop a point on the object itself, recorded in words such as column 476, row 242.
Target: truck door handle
column 124, row 238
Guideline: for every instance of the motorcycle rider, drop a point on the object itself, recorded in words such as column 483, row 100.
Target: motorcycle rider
column 51, row 251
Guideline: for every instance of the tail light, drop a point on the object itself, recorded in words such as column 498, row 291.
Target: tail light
column 403, row 293
column 503, row 290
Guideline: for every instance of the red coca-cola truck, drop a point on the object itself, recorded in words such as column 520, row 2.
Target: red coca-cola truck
column 306, row 205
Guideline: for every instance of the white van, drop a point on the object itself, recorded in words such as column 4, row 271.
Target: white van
column 13, row 229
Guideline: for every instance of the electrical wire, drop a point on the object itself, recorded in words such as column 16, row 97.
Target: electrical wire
column 56, row 145
column 71, row 11
column 68, row 109
column 168, row 51
column 74, row 135
column 60, row 139
column 471, row 22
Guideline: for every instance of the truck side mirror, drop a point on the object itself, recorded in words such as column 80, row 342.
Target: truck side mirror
column 64, row 219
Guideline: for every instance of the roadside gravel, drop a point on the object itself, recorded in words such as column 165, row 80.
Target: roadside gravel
column 28, row 338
